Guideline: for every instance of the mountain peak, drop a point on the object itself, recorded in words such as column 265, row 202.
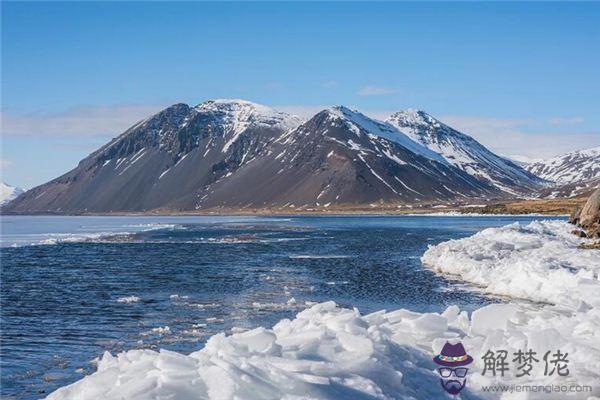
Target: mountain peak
column 348, row 114
column 172, row 114
column 359, row 122
column 9, row 193
column 412, row 117
column 174, row 109
column 463, row 151
column 238, row 114
column 230, row 104
column 341, row 110
column 412, row 112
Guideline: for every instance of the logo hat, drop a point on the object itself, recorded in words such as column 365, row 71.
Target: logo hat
column 453, row 355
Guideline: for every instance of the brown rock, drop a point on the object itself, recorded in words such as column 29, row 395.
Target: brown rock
column 574, row 217
column 579, row 232
column 590, row 246
column 590, row 213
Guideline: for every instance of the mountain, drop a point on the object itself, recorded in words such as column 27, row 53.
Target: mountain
column 574, row 167
column 340, row 156
column 575, row 189
column 166, row 160
column 237, row 154
column 464, row 152
column 9, row 193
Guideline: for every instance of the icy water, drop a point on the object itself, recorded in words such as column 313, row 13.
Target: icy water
column 74, row 287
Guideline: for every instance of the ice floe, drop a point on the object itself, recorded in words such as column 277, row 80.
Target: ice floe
column 162, row 330
column 128, row 299
column 325, row 352
column 329, row 352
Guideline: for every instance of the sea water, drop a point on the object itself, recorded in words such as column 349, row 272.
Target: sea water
column 74, row 287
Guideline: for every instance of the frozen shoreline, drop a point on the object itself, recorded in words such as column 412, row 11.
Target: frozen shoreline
column 539, row 262
column 331, row 352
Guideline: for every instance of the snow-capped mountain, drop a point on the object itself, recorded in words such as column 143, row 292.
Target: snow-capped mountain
column 9, row 193
column 167, row 160
column 574, row 167
column 575, row 189
column 340, row 156
column 233, row 153
column 464, row 152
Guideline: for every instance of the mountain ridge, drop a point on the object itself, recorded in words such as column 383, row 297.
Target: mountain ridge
column 464, row 152
column 238, row 154
column 572, row 167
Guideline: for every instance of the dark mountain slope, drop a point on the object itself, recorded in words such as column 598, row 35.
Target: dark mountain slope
column 162, row 159
column 342, row 157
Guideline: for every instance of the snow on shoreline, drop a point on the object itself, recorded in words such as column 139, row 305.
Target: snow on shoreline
column 329, row 352
column 539, row 261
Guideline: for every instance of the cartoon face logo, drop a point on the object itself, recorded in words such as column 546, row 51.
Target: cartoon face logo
column 452, row 361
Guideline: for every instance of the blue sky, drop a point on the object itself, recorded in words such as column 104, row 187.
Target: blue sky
column 520, row 77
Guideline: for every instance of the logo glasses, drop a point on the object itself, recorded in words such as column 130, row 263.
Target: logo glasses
column 448, row 372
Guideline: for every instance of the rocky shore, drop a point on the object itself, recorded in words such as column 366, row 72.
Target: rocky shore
column 587, row 220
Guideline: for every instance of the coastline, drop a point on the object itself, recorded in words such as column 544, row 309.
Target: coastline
column 523, row 207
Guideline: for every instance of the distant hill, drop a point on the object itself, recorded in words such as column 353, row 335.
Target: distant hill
column 9, row 193
column 573, row 167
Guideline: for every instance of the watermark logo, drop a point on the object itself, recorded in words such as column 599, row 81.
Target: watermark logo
column 453, row 373
column 453, row 360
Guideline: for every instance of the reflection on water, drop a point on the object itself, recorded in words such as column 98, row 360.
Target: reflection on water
column 117, row 283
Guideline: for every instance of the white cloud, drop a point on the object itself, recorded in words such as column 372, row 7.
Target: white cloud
column 510, row 137
column 375, row 91
column 79, row 121
column 522, row 159
column 489, row 123
column 565, row 121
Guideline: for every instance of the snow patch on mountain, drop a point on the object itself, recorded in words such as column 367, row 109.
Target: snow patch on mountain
column 358, row 121
column 9, row 193
column 238, row 115
column 463, row 151
column 576, row 166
